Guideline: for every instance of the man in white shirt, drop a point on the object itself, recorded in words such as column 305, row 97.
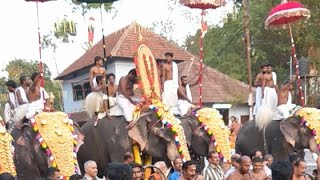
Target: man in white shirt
column 11, row 106
column 21, row 92
column 91, row 170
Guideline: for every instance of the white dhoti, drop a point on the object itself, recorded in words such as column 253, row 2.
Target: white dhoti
column 8, row 112
column 112, row 101
column 126, row 107
column 270, row 98
column 94, row 82
column 183, row 106
column 284, row 110
column 258, row 100
column 170, row 96
column 34, row 108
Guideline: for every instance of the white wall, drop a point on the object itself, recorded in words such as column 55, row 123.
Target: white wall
column 122, row 67
column 239, row 110
column 68, row 104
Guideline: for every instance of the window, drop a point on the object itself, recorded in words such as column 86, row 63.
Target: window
column 78, row 93
column 87, row 88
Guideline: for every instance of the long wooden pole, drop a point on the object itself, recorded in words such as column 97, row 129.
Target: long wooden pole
column 248, row 54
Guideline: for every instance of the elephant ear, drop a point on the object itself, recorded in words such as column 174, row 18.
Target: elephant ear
column 137, row 130
column 290, row 128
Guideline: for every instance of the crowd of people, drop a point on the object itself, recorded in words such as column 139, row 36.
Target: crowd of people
column 256, row 167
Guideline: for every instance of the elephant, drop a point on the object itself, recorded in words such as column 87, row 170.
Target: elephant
column 197, row 138
column 30, row 159
column 112, row 138
column 278, row 138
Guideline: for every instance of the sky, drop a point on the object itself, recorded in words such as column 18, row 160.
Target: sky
column 18, row 32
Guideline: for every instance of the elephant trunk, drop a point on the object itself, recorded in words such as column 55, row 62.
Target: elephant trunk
column 172, row 151
column 313, row 146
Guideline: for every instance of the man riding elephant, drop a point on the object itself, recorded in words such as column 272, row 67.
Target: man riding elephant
column 125, row 94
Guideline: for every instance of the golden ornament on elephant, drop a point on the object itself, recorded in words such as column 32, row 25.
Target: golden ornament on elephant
column 211, row 121
column 6, row 152
column 56, row 137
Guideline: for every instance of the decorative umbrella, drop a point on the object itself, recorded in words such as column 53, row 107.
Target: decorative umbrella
column 102, row 29
column 91, row 31
column 203, row 5
column 40, row 46
column 281, row 17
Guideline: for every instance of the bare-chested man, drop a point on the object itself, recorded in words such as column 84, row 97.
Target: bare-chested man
column 299, row 170
column 242, row 173
column 257, row 84
column 37, row 95
column 102, row 92
column 21, row 92
column 170, row 84
column 269, row 94
column 284, row 104
column 257, row 169
column 112, row 90
column 185, row 96
column 96, row 70
column 125, row 93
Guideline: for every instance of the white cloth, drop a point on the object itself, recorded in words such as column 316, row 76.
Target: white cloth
column 270, row 98
column 274, row 78
column 23, row 95
column 45, row 93
column 170, row 96
column 289, row 98
column 34, row 108
column 8, row 112
column 112, row 101
column 189, row 95
column 285, row 109
column 267, row 171
column 94, row 82
column 258, row 100
column 126, row 106
column 175, row 76
column 12, row 98
column 183, row 107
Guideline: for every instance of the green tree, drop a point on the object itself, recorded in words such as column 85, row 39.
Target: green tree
column 224, row 47
column 22, row 67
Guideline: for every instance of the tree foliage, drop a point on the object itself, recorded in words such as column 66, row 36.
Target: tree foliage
column 224, row 47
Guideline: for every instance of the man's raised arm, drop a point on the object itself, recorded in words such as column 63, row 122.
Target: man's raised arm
column 288, row 84
column 196, row 83
column 36, row 80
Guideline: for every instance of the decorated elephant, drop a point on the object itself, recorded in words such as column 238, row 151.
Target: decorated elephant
column 205, row 131
column 46, row 140
column 112, row 138
column 280, row 138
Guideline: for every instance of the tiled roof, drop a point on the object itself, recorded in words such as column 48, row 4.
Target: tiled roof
column 124, row 43
column 217, row 87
